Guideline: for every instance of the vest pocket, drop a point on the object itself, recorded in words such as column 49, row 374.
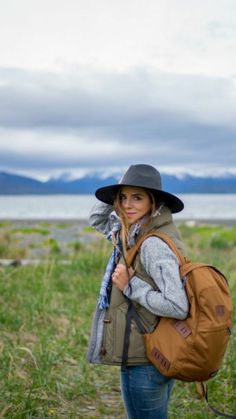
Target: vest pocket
column 148, row 319
column 114, row 332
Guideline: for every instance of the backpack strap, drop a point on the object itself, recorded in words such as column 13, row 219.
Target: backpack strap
column 202, row 391
column 131, row 253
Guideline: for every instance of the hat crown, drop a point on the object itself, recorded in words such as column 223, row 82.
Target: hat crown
column 142, row 175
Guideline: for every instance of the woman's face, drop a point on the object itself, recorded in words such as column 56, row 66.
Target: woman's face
column 135, row 203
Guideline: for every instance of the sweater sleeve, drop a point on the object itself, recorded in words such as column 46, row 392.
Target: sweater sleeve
column 169, row 299
column 100, row 217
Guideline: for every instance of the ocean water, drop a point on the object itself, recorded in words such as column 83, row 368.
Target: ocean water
column 77, row 207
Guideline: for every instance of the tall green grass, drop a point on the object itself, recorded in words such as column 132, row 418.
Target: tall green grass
column 45, row 318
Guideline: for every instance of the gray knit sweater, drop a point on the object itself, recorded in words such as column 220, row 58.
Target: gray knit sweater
column 159, row 262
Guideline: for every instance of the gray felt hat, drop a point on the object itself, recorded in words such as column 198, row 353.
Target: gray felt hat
column 143, row 176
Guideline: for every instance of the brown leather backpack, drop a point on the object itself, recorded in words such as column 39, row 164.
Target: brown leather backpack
column 192, row 349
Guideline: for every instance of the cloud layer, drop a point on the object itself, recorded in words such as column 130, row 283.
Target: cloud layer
column 85, row 118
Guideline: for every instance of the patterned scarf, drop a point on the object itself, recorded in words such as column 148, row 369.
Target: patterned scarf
column 113, row 235
column 105, row 290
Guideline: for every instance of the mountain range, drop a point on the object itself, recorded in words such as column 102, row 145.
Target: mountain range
column 15, row 184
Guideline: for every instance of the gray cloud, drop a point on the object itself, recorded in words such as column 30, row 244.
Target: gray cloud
column 86, row 99
column 92, row 119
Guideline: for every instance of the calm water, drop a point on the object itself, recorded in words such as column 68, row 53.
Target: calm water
column 31, row 207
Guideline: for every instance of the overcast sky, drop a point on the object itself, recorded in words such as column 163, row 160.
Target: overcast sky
column 98, row 85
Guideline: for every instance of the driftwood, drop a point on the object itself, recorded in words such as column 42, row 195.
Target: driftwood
column 24, row 262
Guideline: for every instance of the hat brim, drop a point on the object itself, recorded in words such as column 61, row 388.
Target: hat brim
column 108, row 194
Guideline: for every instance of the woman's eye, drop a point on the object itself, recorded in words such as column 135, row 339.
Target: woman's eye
column 122, row 197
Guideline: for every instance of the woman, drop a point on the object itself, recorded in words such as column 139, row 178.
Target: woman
column 152, row 285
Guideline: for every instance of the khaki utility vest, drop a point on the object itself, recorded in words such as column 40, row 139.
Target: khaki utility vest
column 115, row 317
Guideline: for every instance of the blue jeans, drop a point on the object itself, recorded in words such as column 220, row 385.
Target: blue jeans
column 145, row 392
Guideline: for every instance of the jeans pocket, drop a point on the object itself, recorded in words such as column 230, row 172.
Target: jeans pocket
column 155, row 376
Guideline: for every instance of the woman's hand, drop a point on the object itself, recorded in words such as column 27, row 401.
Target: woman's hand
column 121, row 277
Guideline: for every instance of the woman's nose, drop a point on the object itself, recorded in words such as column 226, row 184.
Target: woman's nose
column 127, row 203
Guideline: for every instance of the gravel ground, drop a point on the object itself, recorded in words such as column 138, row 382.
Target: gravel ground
column 39, row 238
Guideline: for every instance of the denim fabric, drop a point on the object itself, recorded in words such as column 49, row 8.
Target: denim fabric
column 145, row 392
